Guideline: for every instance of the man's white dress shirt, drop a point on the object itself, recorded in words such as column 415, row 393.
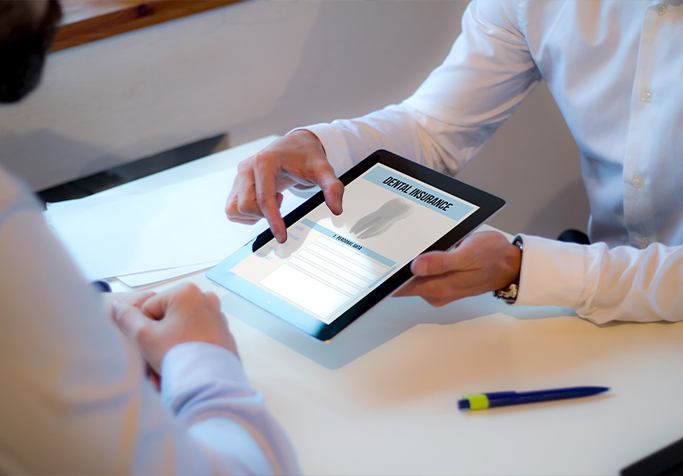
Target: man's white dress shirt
column 615, row 69
column 74, row 398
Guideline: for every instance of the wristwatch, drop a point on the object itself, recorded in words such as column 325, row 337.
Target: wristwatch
column 509, row 294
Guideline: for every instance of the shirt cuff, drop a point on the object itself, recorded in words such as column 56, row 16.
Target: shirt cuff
column 334, row 143
column 553, row 273
column 193, row 365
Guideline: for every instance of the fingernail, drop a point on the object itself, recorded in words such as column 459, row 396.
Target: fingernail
column 419, row 267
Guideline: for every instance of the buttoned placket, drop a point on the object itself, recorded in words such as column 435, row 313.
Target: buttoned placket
column 638, row 213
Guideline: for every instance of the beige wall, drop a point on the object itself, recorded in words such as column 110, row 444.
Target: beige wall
column 262, row 67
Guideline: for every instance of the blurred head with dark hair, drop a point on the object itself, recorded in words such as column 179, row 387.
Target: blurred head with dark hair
column 27, row 28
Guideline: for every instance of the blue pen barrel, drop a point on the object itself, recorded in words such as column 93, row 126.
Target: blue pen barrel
column 501, row 399
column 483, row 401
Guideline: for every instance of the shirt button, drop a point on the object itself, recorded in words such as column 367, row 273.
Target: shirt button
column 639, row 240
column 637, row 181
column 661, row 10
column 646, row 96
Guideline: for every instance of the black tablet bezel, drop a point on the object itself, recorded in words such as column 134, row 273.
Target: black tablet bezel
column 667, row 461
column 487, row 205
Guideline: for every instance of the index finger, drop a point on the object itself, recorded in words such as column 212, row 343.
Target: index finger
column 265, row 177
column 332, row 187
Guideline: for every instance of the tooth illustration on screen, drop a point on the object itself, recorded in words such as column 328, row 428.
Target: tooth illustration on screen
column 380, row 220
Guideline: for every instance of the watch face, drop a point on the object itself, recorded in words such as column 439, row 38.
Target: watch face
column 509, row 294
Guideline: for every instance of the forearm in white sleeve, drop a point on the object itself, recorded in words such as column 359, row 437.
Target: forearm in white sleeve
column 603, row 284
column 206, row 388
column 488, row 72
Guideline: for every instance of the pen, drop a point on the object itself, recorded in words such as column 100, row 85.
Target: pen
column 101, row 286
column 482, row 401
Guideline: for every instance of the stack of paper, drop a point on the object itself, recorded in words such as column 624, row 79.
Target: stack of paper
column 148, row 237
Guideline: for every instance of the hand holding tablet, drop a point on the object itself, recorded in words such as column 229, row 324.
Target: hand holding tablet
column 334, row 268
column 482, row 262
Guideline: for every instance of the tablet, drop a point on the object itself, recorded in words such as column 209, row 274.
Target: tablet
column 332, row 269
column 665, row 462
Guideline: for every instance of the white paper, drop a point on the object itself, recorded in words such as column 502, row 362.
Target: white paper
column 173, row 226
column 152, row 277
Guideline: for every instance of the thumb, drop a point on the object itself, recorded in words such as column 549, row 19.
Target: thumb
column 156, row 307
column 435, row 263
column 129, row 319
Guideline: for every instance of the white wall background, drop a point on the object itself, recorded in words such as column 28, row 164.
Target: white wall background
column 266, row 66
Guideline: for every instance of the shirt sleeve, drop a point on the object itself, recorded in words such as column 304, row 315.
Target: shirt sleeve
column 74, row 396
column 206, row 388
column 486, row 75
column 603, row 284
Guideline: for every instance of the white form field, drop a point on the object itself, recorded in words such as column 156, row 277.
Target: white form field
column 323, row 275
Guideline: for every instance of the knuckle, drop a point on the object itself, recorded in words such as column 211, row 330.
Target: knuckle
column 245, row 205
column 428, row 265
column 337, row 187
column 190, row 290
column 244, row 166
column 440, row 263
column 264, row 198
column 231, row 208
column 193, row 288
column 262, row 161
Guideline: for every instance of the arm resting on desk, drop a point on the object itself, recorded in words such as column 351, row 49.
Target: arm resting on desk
column 205, row 386
column 74, row 396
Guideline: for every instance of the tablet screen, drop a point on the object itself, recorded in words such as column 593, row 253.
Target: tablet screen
column 329, row 263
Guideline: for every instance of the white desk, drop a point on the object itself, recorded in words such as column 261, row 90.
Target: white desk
column 381, row 397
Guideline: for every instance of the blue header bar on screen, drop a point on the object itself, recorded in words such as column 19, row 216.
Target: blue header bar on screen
column 429, row 197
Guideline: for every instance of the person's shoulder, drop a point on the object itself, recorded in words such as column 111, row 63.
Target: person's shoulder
column 504, row 13
column 516, row 13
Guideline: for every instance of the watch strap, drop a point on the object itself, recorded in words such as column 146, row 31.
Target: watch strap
column 509, row 293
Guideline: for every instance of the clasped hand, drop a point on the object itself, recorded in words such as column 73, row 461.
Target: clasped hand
column 158, row 322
